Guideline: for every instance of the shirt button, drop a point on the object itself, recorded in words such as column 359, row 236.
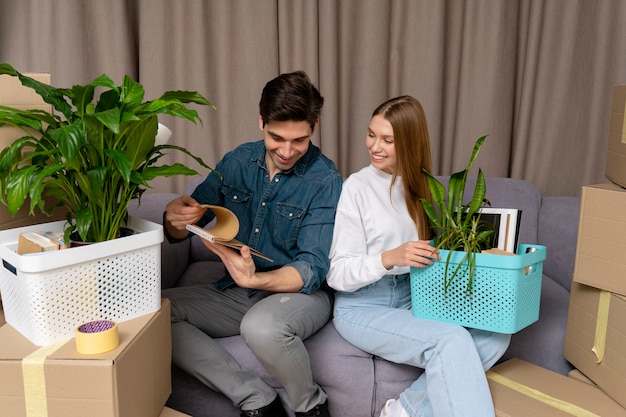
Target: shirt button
column 263, row 204
column 276, row 180
column 290, row 214
column 234, row 197
column 256, row 230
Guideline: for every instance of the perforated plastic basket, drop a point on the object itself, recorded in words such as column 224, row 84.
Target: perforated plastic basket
column 46, row 295
column 504, row 297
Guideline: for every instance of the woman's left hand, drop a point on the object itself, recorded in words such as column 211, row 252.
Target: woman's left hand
column 417, row 253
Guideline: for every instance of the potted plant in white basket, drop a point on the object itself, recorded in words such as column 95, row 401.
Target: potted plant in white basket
column 485, row 291
column 94, row 155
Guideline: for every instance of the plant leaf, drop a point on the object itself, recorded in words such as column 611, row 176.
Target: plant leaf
column 150, row 173
column 122, row 163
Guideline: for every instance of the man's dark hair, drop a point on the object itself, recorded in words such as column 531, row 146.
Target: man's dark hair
column 291, row 96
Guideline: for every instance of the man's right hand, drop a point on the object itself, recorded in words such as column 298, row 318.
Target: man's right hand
column 179, row 213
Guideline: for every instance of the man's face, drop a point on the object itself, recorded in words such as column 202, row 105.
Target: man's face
column 285, row 143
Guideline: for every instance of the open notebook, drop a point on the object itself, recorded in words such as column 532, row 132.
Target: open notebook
column 224, row 230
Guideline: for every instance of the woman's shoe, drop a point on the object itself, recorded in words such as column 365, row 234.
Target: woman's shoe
column 393, row 408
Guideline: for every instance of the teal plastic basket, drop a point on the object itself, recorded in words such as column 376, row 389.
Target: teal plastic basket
column 504, row 297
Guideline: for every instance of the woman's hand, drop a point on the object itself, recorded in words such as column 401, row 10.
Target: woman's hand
column 414, row 253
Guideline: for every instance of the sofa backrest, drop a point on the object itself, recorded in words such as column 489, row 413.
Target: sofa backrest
column 558, row 231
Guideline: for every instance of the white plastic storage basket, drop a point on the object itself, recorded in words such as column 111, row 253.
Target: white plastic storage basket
column 46, row 295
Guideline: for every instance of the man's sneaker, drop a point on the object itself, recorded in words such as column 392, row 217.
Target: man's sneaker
column 393, row 408
column 320, row 410
column 274, row 409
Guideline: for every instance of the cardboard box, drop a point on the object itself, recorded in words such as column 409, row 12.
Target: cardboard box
column 521, row 389
column 168, row 412
column 615, row 169
column 584, row 321
column 600, row 253
column 14, row 94
column 579, row 376
column 132, row 380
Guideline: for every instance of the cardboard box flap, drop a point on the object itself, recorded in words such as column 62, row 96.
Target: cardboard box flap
column 600, row 260
column 20, row 347
column 169, row 412
column 14, row 94
column 594, row 333
column 529, row 390
column 615, row 169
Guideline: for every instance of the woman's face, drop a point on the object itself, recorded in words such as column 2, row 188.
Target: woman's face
column 380, row 144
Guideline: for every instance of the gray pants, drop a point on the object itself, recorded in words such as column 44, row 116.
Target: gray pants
column 273, row 325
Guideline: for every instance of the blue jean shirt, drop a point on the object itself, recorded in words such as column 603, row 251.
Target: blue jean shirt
column 290, row 218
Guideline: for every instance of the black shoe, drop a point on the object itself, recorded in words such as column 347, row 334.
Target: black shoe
column 319, row 410
column 273, row 409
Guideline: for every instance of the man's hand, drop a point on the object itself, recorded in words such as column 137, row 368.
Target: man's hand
column 241, row 267
column 179, row 213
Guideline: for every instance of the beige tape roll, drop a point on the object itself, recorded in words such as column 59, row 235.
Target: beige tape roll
column 97, row 337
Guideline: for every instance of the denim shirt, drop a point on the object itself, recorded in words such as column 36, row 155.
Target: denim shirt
column 290, row 218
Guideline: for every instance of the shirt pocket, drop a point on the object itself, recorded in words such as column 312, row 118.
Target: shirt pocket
column 236, row 200
column 288, row 222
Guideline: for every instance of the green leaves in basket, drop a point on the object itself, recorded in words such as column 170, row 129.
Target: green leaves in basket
column 456, row 225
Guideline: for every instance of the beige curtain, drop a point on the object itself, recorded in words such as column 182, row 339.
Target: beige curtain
column 536, row 76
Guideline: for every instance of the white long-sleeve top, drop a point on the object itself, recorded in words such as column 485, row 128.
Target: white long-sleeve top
column 368, row 222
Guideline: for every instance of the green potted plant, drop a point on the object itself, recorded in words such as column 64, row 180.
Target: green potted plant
column 93, row 155
column 457, row 226
column 502, row 293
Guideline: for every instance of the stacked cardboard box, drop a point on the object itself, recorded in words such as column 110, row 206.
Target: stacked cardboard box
column 615, row 169
column 56, row 381
column 169, row 412
column 521, row 389
column 14, row 94
column 596, row 331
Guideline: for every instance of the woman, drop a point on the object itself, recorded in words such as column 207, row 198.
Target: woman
column 381, row 231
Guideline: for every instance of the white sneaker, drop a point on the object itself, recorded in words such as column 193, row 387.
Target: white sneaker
column 393, row 408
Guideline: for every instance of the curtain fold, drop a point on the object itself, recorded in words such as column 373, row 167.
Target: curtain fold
column 534, row 75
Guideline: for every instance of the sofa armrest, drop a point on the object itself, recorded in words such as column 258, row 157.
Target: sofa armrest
column 558, row 231
column 174, row 256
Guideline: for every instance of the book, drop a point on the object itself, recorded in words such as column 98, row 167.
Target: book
column 223, row 230
column 505, row 223
column 33, row 242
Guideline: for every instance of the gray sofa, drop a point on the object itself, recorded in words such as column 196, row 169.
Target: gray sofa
column 356, row 382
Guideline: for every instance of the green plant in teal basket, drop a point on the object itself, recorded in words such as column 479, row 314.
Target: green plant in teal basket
column 93, row 155
column 457, row 226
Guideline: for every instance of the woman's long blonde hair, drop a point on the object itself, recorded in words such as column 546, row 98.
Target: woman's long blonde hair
column 412, row 146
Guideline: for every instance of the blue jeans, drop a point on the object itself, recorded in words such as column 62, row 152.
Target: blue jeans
column 377, row 319
column 273, row 325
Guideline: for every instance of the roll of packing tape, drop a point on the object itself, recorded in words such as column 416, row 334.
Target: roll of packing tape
column 97, row 337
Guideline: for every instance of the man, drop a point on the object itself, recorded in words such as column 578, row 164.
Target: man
column 284, row 193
